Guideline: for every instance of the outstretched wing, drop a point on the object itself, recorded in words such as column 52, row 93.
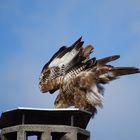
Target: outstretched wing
column 106, row 73
column 78, row 77
column 63, row 60
column 84, row 89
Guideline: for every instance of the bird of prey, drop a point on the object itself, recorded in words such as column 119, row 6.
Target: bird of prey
column 78, row 77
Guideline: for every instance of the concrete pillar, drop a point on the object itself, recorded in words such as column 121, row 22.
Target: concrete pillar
column 46, row 136
column 45, row 124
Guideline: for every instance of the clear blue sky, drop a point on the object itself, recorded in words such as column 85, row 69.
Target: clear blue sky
column 32, row 30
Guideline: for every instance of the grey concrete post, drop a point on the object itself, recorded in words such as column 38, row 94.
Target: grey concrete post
column 21, row 135
column 46, row 136
column 20, row 123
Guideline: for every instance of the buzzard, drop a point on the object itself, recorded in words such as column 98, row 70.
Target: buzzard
column 78, row 77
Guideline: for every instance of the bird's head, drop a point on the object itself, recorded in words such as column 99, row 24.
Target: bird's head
column 47, row 82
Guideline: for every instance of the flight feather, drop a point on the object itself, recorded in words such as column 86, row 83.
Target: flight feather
column 78, row 77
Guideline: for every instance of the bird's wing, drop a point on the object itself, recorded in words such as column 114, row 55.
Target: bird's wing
column 61, row 62
column 106, row 73
column 77, row 92
column 84, row 89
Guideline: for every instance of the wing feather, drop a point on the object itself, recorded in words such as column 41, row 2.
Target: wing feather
column 84, row 87
column 63, row 60
column 79, row 78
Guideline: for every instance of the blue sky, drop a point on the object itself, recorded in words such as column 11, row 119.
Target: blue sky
column 31, row 31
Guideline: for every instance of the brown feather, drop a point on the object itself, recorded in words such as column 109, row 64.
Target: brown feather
column 105, row 60
column 80, row 85
column 119, row 71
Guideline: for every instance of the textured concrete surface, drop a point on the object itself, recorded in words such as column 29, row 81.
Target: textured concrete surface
column 19, row 124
